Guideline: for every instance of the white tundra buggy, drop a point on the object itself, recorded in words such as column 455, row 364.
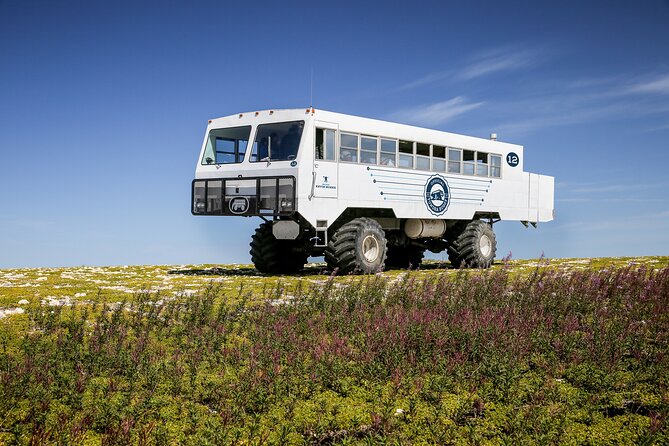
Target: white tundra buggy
column 365, row 193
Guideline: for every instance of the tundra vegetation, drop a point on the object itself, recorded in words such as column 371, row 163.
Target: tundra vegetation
column 529, row 352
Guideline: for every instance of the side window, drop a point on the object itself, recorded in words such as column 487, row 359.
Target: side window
column 388, row 152
column 406, row 154
column 439, row 158
column 454, row 161
column 325, row 144
column 468, row 162
column 348, row 148
column 495, row 166
column 422, row 156
column 481, row 164
column 368, row 149
column 330, row 145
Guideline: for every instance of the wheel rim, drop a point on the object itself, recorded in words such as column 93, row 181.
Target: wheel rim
column 370, row 248
column 485, row 245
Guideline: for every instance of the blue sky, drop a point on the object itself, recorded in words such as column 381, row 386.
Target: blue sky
column 103, row 107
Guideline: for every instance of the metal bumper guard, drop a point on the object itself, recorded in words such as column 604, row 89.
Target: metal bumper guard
column 254, row 196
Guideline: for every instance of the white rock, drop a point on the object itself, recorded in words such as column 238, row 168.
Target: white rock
column 24, row 302
column 10, row 311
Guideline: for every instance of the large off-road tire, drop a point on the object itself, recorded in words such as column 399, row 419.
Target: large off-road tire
column 404, row 257
column 272, row 256
column 358, row 246
column 472, row 245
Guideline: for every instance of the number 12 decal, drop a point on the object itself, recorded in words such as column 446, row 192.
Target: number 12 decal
column 512, row 159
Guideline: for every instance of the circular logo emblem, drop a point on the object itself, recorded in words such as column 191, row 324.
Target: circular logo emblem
column 239, row 205
column 512, row 159
column 437, row 194
column 293, row 163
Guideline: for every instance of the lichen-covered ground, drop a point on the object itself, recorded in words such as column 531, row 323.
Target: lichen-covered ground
column 571, row 351
column 86, row 284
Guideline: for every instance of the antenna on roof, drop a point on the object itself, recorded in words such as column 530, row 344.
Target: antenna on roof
column 311, row 91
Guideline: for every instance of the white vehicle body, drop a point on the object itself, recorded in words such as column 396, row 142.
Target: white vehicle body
column 346, row 166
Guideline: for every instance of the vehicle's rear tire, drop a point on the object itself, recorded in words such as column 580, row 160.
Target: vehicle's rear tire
column 472, row 245
column 404, row 257
column 358, row 246
column 272, row 256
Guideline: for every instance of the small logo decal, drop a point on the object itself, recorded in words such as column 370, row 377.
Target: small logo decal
column 325, row 179
column 239, row 205
column 437, row 194
column 293, row 163
column 512, row 159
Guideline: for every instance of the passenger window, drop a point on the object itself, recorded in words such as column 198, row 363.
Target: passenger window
column 469, row 162
column 495, row 166
column 422, row 156
column 368, row 150
column 388, row 152
column 423, row 163
column 481, row 164
column 438, row 158
column 348, row 148
column 454, row 161
column 406, row 154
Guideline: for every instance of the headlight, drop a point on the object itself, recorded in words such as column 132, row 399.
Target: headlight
column 200, row 206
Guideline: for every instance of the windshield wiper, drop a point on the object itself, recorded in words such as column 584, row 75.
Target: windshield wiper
column 268, row 158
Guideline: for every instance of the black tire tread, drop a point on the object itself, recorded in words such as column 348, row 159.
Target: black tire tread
column 463, row 248
column 341, row 253
column 272, row 256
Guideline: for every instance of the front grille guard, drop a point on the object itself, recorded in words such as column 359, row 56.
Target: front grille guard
column 251, row 196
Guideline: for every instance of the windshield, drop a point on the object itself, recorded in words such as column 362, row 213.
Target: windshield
column 277, row 142
column 226, row 146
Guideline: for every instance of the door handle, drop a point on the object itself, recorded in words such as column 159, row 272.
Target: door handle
column 313, row 184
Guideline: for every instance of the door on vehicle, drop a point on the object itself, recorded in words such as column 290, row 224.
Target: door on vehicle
column 325, row 176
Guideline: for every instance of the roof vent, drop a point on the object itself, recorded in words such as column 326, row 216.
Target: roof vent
column 493, row 136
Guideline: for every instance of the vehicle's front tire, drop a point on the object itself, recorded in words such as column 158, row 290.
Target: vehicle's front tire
column 357, row 246
column 272, row 256
column 472, row 245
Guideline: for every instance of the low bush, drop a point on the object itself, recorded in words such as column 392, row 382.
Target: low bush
column 555, row 356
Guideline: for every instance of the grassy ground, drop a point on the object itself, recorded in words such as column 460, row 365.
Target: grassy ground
column 570, row 351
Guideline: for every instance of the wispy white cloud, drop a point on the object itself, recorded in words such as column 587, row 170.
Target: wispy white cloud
column 565, row 112
column 659, row 84
column 594, row 82
column 30, row 224
column 653, row 221
column 437, row 113
column 609, row 200
column 610, row 98
column 428, row 79
column 483, row 64
column 609, row 193
column 609, row 188
column 499, row 60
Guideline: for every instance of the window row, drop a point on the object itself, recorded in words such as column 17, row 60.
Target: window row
column 363, row 149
